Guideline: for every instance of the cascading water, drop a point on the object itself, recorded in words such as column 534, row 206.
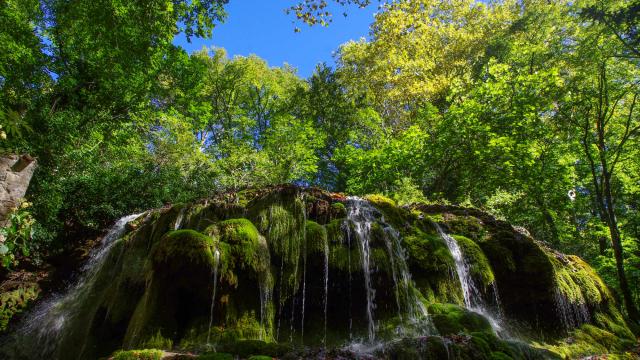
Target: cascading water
column 178, row 223
column 346, row 229
column 414, row 309
column 473, row 299
column 360, row 214
column 216, row 264
column 48, row 322
column 265, row 299
column 304, row 290
column 326, row 288
column 571, row 314
column 394, row 274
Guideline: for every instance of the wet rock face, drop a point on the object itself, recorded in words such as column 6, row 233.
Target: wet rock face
column 286, row 265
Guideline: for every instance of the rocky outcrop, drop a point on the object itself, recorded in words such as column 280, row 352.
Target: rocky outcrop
column 288, row 270
column 15, row 175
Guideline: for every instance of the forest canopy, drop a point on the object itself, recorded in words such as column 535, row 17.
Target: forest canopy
column 526, row 108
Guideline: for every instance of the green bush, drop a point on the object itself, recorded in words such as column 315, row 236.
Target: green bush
column 17, row 235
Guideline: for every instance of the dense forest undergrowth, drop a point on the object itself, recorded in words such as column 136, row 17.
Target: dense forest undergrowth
column 525, row 109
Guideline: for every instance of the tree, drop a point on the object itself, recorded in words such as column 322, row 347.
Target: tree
column 22, row 69
column 316, row 12
column 422, row 51
column 606, row 113
column 622, row 18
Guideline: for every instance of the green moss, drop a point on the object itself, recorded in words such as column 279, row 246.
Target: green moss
column 468, row 226
column 393, row 214
column 147, row 354
column 338, row 210
column 260, row 357
column 609, row 318
column 335, row 231
column 185, row 245
column 285, row 231
column 379, row 259
column 479, row 265
column 379, row 199
column 499, row 355
column 431, row 264
column 316, row 238
column 428, row 251
column 247, row 248
column 344, row 259
column 237, row 231
column 453, row 319
column 498, row 254
column 157, row 341
column 577, row 281
column 434, row 218
column 247, row 327
column 585, row 341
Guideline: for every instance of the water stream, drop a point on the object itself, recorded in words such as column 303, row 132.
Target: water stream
column 216, row 263
column 48, row 322
column 571, row 314
column 473, row 298
column 361, row 214
column 178, row 224
column 326, row 287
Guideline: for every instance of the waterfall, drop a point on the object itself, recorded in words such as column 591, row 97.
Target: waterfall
column 360, row 213
column 216, row 263
column 396, row 290
column 178, row 223
column 304, row 291
column 326, row 287
column 472, row 296
column 347, row 230
column 413, row 308
column 571, row 314
column 265, row 300
column 48, row 322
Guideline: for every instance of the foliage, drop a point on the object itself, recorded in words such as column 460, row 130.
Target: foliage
column 14, row 302
column 526, row 108
column 17, row 235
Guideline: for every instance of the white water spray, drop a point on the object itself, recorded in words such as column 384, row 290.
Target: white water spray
column 472, row 296
column 360, row 214
column 216, row 263
column 49, row 320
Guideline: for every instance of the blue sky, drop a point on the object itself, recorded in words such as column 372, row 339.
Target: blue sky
column 261, row 27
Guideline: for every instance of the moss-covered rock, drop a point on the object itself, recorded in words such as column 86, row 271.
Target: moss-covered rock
column 316, row 238
column 338, row 210
column 183, row 246
column 452, row 319
column 243, row 266
column 479, row 268
column 246, row 248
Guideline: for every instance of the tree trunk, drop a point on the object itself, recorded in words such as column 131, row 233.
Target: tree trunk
column 616, row 243
column 549, row 221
